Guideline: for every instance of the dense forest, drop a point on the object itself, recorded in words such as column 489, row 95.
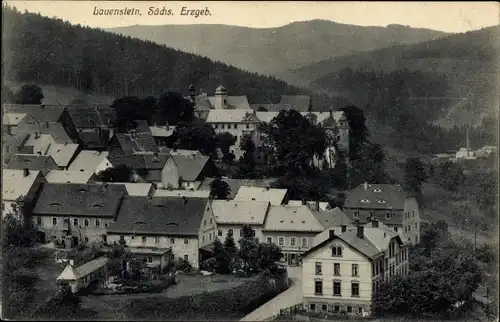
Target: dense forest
column 42, row 50
column 407, row 102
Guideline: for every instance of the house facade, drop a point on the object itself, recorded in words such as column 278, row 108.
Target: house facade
column 186, row 172
column 182, row 225
column 342, row 273
column 77, row 213
column 388, row 204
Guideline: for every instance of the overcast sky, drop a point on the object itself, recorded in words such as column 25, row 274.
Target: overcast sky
column 444, row 16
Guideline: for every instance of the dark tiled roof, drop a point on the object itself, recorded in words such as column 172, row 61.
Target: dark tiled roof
column 55, row 129
column 92, row 140
column 190, row 167
column 376, row 196
column 43, row 163
column 139, row 161
column 203, row 104
column 80, row 199
column 136, row 142
column 98, row 116
column 41, row 113
column 334, row 217
column 160, row 216
column 297, row 102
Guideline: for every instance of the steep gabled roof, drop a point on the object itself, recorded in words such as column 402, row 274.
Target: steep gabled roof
column 139, row 161
column 169, row 216
column 331, row 218
column 88, row 160
column 79, row 199
column 189, row 167
column 43, row 163
column 16, row 184
column 376, row 196
column 240, row 212
column 136, row 143
column 89, row 117
column 290, row 218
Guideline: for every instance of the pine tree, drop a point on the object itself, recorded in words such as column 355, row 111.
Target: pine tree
column 230, row 245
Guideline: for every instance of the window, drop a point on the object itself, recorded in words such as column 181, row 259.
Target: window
column 281, row 241
column 354, row 289
column 336, row 251
column 204, row 223
column 318, row 268
column 318, row 287
column 235, row 126
column 336, row 288
column 336, row 269
column 143, row 239
column 336, row 309
column 86, row 222
column 157, row 240
column 230, row 232
column 132, row 237
column 186, row 241
column 355, row 270
column 241, row 232
column 356, row 214
column 54, row 221
column 210, row 236
column 105, row 238
column 210, row 221
column 388, row 215
column 406, row 229
column 222, row 126
column 247, row 126
column 409, row 227
column 292, row 241
column 343, row 228
column 304, row 241
column 413, row 213
column 122, row 237
column 186, row 257
column 312, row 307
column 349, row 309
column 360, row 310
column 416, row 225
column 75, row 221
column 150, row 259
column 269, row 239
column 172, row 240
column 38, row 220
column 86, row 239
column 97, row 223
column 202, row 238
column 395, row 228
column 219, row 232
column 215, row 126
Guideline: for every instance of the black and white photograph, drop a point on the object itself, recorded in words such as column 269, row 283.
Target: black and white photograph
column 250, row 161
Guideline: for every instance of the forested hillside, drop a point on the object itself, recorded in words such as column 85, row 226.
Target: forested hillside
column 273, row 51
column 42, row 50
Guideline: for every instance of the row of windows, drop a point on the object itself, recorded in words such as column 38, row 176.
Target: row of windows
column 336, row 269
column 156, row 238
column 228, row 126
column 76, row 222
column 337, row 288
column 408, row 228
column 407, row 214
column 205, row 222
column 336, row 308
column 388, row 215
column 292, row 241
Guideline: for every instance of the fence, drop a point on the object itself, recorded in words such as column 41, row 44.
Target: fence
column 287, row 313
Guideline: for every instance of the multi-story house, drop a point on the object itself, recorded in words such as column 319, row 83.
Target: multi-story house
column 388, row 204
column 184, row 226
column 342, row 273
column 292, row 228
column 275, row 196
column 20, row 188
column 77, row 213
column 232, row 215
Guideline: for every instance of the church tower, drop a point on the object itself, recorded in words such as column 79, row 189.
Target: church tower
column 220, row 98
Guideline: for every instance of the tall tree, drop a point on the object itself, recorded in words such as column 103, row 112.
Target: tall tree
column 224, row 141
column 358, row 133
column 120, row 173
column 222, row 258
column 175, row 108
column 415, row 175
column 195, row 137
column 29, row 94
column 230, row 245
column 249, row 249
column 219, row 189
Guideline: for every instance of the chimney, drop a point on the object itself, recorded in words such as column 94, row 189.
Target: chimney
column 317, row 205
column 37, row 135
column 26, row 172
column 191, row 90
column 331, row 233
column 361, row 231
column 42, row 106
column 193, row 155
column 375, row 224
column 366, row 185
column 344, row 228
column 46, row 124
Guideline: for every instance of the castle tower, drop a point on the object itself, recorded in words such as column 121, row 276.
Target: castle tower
column 220, row 97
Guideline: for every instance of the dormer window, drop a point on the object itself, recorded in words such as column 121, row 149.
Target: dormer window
column 97, row 206
column 55, row 204
column 388, row 215
column 382, row 201
column 365, row 201
column 377, row 190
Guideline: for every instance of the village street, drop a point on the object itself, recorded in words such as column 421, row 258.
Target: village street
column 290, row 297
